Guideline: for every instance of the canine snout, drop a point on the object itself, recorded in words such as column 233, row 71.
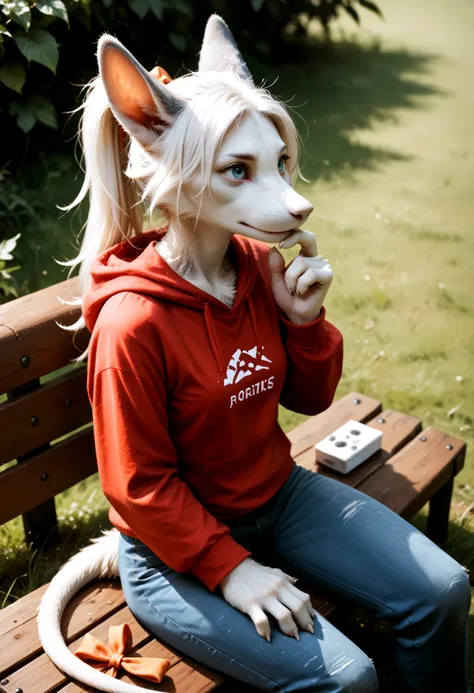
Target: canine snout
column 300, row 216
column 299, row 207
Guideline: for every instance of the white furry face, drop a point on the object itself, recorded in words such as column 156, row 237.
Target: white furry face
column 249, row 191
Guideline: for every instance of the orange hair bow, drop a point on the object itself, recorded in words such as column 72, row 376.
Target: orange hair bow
column 161, row 75
column 109, row 658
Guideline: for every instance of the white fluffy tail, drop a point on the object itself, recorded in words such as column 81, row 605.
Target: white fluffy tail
column 97, row 560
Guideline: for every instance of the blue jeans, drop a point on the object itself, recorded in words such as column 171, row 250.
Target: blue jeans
column 339, row 541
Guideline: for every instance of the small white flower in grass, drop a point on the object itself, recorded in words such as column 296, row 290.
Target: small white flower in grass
column 459, row 378
column 441, row 285
column 366, row 341
column 367, row 277
column 375, row 356
column 378, row 216
column 61, row 517
column 381, row 352
column 370, row 324
column 80, row 513
column 74, row 505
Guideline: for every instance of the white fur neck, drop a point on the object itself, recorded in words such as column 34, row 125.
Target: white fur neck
column 181, row 260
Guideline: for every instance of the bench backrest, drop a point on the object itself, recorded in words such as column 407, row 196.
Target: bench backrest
column 46, row 399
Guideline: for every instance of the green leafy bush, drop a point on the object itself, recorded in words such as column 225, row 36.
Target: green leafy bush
column 8, row 286
column 25, row 38
column 48, row 45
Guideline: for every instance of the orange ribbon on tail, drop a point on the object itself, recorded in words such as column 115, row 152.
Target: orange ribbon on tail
column 109, row 658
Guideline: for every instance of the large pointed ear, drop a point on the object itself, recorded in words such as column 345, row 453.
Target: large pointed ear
column 142, row 105
column 219, row 50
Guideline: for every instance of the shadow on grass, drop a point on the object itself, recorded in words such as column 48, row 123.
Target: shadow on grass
column 348, row 87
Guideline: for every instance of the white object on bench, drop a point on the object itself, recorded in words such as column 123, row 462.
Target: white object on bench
column 348, row 446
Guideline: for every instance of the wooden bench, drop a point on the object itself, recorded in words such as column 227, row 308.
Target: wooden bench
column 415, row 466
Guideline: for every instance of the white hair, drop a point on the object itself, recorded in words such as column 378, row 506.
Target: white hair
column 126, row 182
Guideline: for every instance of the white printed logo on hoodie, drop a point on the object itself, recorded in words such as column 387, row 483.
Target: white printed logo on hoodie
column 244, row 363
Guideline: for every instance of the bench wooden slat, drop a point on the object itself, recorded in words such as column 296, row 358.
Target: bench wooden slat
column 28, row 328
column 398, row 429
column 66, row 463
column 41, row 676
column 408, row 480
column 19, row 640
column 56, row 408
column 352, row 406
column 184, row 676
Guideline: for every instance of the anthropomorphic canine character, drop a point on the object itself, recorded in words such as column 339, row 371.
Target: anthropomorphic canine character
column 217, row 155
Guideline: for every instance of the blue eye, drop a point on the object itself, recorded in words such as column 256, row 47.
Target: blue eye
column 281, row 163
column 238, row 171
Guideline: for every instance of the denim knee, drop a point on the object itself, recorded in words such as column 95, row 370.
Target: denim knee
column 356, row 676
column 456, row 592
column 350, row 670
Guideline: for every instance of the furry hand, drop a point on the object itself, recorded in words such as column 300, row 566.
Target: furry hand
column 254, row 588
column 300, row 288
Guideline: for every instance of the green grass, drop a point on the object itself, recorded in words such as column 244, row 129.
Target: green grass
column 390, row 158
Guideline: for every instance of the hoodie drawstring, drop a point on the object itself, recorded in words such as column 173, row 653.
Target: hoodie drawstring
column 214, row 339
column 253, row 320
column 211, row 332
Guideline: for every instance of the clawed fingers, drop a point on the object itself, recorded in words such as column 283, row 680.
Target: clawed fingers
column 298, row 608
column 313, row 276
column 305, row 598
column 283, row 615
column 260, row 621
column 306, row 239
column 303, row 272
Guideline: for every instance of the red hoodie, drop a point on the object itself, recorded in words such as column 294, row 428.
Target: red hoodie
column 185, row 391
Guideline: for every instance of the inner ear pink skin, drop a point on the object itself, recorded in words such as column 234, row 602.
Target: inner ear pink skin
column 127, row 89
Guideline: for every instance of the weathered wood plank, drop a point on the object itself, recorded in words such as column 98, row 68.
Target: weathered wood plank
column 41, row 676
column 184, row 676
column 31, row 343
column 411, row 477
column 25, row 486
column 19, row 640
column 47, row 413
column 352, row 406
column 398, row 429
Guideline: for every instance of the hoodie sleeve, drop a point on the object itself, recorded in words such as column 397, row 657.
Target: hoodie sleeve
column 138, row 465
column 315, row 353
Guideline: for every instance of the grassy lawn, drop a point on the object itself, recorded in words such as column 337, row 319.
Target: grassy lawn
column 390, row 160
